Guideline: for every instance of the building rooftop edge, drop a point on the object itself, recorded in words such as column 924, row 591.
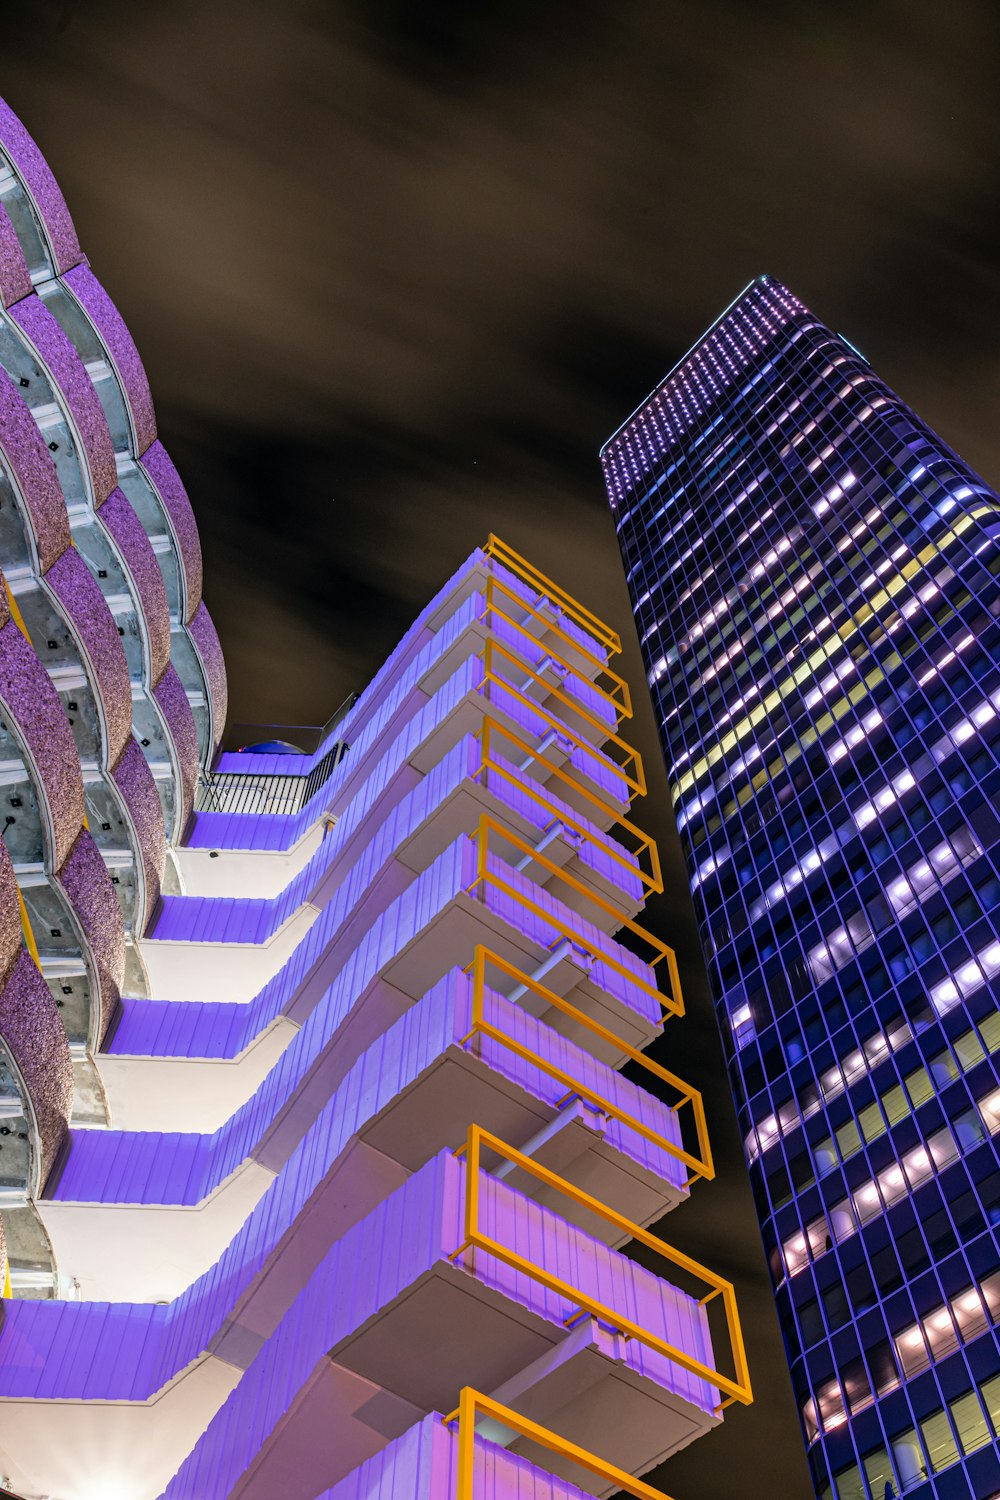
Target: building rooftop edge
column 763, row 278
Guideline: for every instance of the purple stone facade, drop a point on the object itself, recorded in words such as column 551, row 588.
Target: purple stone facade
column 87, row 883
column 32, row 474
column 137, row 555
column 33, row 1034
column 15, row 278
column 206, row 641
column 179, row 720
column 114, row 335
column 159, row 469
column 10, row 916
column 98, row 735
column 68, row 376
column 32, row 708
column 84, row 608
column 137, row 789
column 35, row 175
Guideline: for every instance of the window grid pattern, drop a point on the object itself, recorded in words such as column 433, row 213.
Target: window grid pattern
column 814, row 580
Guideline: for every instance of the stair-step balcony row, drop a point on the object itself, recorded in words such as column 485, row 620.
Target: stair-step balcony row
column 148, row 1091
column 203, row 1058
column 453, row 628
column 331, row 1349
column 463, row 1052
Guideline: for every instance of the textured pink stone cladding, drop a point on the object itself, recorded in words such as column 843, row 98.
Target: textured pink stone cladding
column 36, row 176
column 163, row 476
column 34, row 707
column 32, row 1031
column 176, row 710
column 84, row 607
column 137, row 788
column 88, row 886
column 29, row 464
column 114, row 335
column 10, row 916
column 67, row 373
column 136, row 552
column 15, row 278
column 206, row 639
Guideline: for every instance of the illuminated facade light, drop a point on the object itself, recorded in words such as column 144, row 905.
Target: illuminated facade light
column 827, row 687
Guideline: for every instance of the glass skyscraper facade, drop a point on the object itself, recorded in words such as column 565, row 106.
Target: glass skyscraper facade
column 813, row 576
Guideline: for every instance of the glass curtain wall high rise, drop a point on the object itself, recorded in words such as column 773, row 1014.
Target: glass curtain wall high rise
column 813, row 576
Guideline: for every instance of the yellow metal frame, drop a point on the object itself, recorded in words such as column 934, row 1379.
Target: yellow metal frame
column 617, row 695
column 28, row 935
column 734, row 1389
column 699, row 1166
column 471, row 1401
column 629, row 766
column 652, row 880
column 15, row 612
column 535, row 579
column 672, row 1004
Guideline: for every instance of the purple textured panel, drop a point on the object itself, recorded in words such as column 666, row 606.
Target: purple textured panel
column 87, row 883
column 85, row 608
column 137, row 553
column 206, row 640
column 31, row 1028
column 134, row 780
column 66, row 370
column 163, row 476
column 176, row 709
column 33, row 170
column 114, row 335
column 10, row 915
column 423, row 1465
column 37, row 714
column 30, row 465
column 15, row 278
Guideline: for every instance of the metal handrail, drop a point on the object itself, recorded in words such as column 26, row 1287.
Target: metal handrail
column 618, row 695
column 244, row 791
column 483, row 957
column 736, row 1387
column 537, row 580
column 630, row 770
column 629, row 859
column 672, row 1004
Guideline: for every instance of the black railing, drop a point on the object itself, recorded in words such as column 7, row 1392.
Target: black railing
column 258, row 792
column 255, row 792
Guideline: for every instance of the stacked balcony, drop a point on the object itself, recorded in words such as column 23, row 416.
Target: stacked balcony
column 373, row 1211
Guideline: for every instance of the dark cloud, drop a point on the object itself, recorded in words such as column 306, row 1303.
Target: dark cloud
column 397, row 269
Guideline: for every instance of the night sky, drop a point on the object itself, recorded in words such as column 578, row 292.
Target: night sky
column 397, row 270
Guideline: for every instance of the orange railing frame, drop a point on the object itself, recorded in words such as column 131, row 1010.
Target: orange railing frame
column 735, row 1388
column 629, row 767
column 470, row 1401
column 700, row 1165
column 629, row 860
column 672, row 1004
column 536, row 579
column 617, row 696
